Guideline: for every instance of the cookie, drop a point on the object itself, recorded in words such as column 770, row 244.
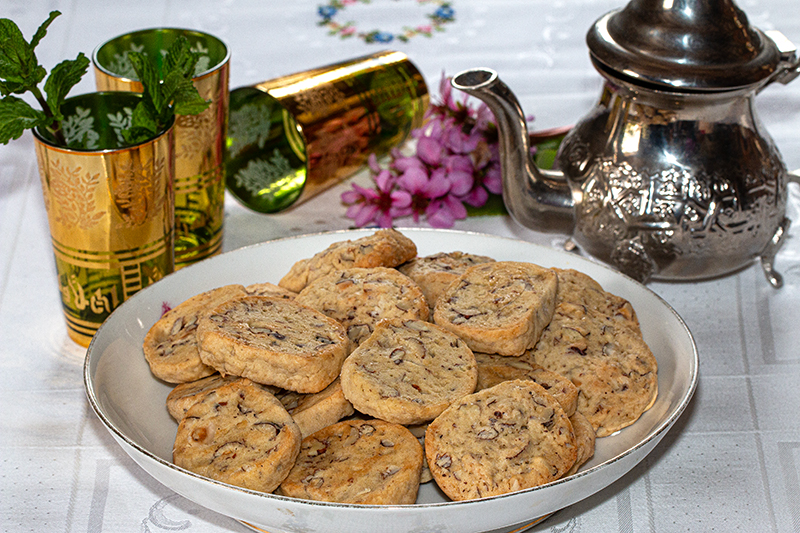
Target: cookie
column 360, row 297
column 238, row 434
column 273, row 341
column 384, row 248
column 313, row 412
column 500, row 307
column 170, row 345
column 434, row 273
column 185, row 395
column 408, row 371
column 584, row 441
column 503, row 439
column 371, row 462
column 269, row 289
column 609, row 362
column 581, row 289
column 494, row 369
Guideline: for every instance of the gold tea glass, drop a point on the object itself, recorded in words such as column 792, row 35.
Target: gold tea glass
column 292, row 137
column 109, row 206
column 199, row 139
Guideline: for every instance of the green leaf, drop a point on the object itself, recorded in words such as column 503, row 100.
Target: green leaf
column 494, row 206
column 18, row 61
column 182, row 92
column 16, row 115
column 164, row 96
column 11, row 88
column 143, row 124
column 62, row 79
column 148, row 76
column 42, row 31
column 180, row 59
column 14, row 51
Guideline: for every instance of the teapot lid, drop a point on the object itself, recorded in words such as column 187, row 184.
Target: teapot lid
column 683, row 45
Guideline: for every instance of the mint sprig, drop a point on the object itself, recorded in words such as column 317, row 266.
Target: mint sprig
column 167, row 90
column 20, row 72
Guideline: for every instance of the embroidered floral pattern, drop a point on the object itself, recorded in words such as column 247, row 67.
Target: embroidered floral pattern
column 443, row 13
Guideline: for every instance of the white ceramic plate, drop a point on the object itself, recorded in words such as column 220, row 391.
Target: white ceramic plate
column 131, row 402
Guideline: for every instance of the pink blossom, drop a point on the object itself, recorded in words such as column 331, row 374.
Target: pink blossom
column 430, row 150
column 455, row 162
column 444, row 212
column 380, row 205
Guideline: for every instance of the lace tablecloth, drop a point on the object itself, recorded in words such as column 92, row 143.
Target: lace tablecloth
column 732, row 461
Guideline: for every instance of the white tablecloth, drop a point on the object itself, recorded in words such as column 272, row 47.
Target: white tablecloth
column 732, row 461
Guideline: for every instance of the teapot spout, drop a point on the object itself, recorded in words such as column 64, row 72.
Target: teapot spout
column 538, row 199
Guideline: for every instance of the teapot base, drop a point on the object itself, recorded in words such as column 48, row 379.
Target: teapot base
column 633, row 258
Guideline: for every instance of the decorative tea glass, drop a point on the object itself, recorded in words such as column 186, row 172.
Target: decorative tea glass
column 199, row 139
column 295, row 136
column 110, row 208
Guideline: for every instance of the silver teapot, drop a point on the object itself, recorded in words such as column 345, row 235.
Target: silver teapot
column 672, row 175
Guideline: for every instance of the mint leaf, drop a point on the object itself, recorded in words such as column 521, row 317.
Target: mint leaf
column 180, row 59
column 20, row 72
column 181, row 91
column 16, row 115
column 42, row 30
column 143, row 124
column 62, row 79
column 148, row 76
column 19, row 67
column 164, row 95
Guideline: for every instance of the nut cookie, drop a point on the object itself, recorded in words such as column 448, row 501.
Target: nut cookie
column 313, row 412
column 185, row 395
column 384, row 248
column 503, row 439
column 269, row 289
column 434, row 273
column 584, row 440
column 610, row 363
column 170, row 346
column 273, row 341
column 581, row 289
column 500, row 307
column 408, row 371
column 360, row 297
column 371, row 462
column 239, row 434
column 494, row 369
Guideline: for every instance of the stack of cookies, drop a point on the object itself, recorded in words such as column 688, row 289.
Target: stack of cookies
column 367, row 370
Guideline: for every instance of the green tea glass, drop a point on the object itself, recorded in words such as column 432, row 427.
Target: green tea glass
column 199, row 139
column 110, row 207
column 295, row 136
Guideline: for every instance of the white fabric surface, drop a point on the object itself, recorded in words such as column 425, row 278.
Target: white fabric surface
column 732, row 461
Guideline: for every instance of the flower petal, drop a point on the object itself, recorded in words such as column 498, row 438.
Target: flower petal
column 429, row 150
column 414, row 180
column 454, row 205
column 438, row 185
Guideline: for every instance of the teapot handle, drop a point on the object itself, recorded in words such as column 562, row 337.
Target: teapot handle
column 789, row 68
